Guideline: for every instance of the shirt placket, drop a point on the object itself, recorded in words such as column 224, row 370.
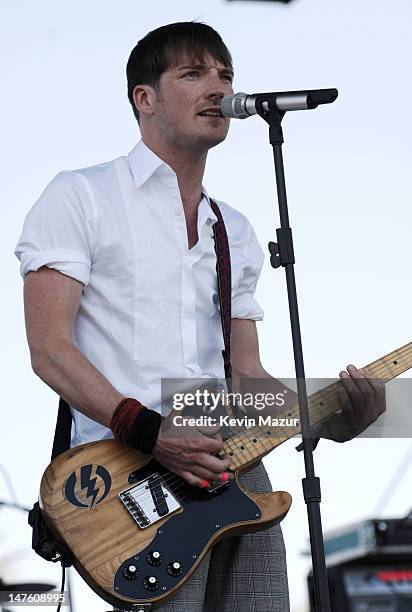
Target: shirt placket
column 188, row 303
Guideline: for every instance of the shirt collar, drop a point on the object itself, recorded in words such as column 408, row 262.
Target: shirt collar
column 144, row 163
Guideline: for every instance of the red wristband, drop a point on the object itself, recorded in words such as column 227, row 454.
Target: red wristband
column 124, row 417
column 136, row 425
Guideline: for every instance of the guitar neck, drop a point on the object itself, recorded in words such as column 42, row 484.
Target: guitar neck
column 257, row 441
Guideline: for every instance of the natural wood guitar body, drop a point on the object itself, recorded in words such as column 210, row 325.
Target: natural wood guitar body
column 90, row 518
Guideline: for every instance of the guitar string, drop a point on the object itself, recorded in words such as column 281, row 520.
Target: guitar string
column 246, row 435
column 176, row 478
column 377, row 370
column 169, row 476
column 194, row 491
column 182, row 484
column 325, row 396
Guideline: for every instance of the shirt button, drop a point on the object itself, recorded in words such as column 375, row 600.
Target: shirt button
column 178, row 212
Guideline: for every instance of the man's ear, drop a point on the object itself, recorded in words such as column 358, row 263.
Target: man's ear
column 144, row 98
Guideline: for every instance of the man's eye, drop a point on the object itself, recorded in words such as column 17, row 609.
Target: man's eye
column 227, row 77
column 192, row 73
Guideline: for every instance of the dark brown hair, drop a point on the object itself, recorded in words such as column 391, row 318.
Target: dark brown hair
column 164, row 47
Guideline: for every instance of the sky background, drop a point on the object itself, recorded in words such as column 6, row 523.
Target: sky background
column 64, row 106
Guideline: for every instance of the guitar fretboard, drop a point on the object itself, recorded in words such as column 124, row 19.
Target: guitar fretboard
column 255, row 442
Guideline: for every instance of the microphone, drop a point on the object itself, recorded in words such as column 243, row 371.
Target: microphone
column 242, row 105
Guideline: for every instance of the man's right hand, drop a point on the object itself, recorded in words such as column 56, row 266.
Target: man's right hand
column 190, row 454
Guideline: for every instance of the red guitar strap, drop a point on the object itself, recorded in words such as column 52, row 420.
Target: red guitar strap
column 224, row 284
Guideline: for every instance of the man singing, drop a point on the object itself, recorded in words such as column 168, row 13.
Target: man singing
column 120, row 291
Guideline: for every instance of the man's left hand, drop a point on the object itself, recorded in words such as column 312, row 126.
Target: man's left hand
column 362, row 400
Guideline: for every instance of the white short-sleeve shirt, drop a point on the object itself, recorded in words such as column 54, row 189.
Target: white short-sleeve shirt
column 150, row 306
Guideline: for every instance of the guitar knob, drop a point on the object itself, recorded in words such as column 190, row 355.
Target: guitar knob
column 154, row 558
column 174, row 568
column 130, row 572
column 151, row 583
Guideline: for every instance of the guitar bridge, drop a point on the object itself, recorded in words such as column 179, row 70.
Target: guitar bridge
column 149, row 500
column 216, row 484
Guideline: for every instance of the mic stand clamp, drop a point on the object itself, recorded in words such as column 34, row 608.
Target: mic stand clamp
column 282, row 254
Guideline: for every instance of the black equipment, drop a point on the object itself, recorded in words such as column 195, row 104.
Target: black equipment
column 369, row 567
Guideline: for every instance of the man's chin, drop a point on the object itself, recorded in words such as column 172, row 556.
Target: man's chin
column 201, row 141
column 210, row 140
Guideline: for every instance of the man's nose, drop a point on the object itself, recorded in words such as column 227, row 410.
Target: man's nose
column 218, row 89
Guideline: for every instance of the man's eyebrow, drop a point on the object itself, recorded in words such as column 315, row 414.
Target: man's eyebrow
column 226, row 70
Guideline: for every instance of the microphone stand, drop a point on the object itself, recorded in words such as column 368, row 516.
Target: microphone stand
column 282, row 255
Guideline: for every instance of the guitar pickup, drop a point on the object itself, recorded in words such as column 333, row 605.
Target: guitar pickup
column 149, row 500
column 158, row 496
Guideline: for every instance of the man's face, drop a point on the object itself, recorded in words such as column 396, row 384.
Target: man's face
column 187, row 92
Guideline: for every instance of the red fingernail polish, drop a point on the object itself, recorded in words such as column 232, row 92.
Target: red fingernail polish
column 204, row 484
column 224, row 477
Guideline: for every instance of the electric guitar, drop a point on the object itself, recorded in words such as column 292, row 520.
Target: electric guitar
column 137, row 531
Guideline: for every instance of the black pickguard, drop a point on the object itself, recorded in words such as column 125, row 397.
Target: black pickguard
column 185, row 535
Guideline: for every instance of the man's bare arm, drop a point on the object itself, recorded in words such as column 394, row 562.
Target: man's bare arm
column 51, row 302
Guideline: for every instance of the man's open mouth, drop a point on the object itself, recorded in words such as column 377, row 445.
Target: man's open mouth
column 211, row 113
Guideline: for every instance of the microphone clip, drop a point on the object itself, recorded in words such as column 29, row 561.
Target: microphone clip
column 268, row 110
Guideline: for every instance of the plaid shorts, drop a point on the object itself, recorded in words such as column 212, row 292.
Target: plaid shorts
column 245, row 573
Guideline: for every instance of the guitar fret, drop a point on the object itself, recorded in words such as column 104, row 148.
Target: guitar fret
column 402, row 358
column 394, row 363
column 243, row 447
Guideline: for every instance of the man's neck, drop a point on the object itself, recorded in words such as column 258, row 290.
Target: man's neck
column 189, row 167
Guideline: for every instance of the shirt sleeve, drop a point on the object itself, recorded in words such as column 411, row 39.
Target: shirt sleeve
column 247, row 260
column 57, row 231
